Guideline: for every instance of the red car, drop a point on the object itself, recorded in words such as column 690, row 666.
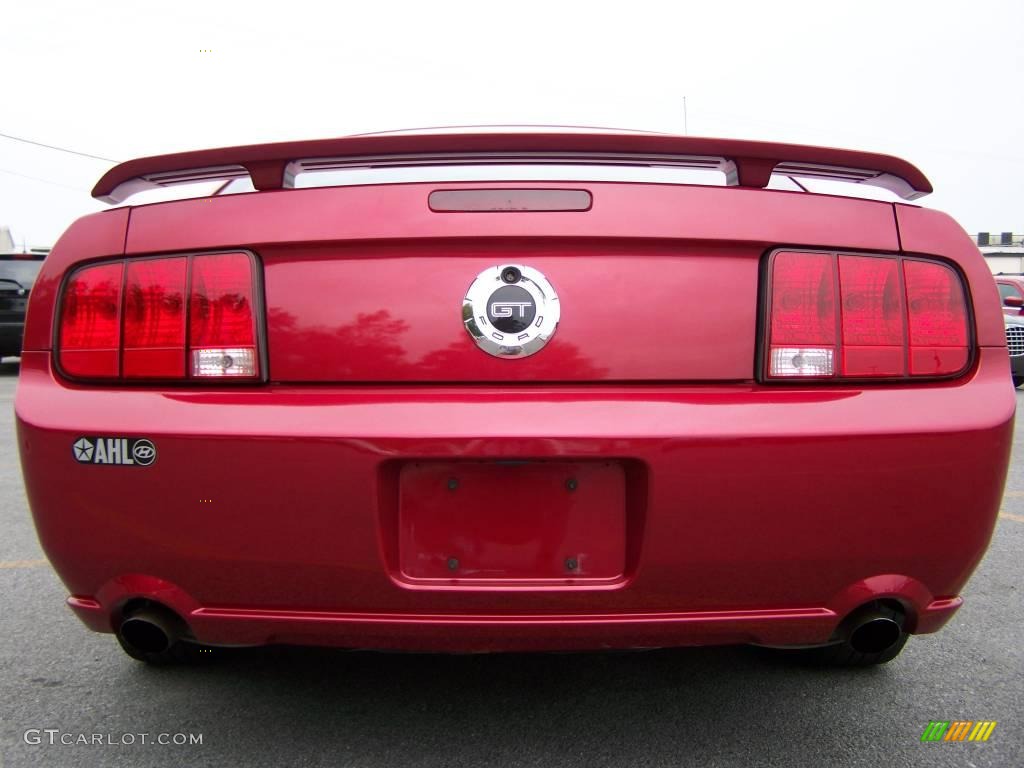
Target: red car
column 1011, row 292
column 488, row 415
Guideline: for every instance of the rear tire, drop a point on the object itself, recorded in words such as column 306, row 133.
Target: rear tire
column 1017, row 381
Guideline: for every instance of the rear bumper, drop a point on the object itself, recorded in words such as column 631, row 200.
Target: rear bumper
column 753, row 514
column 541, row 632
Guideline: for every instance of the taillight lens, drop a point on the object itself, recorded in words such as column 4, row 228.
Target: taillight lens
column 937, row 315
column 803, row 318
column 895, row 317
column 871, row 311
column 90, row 322
column 154, row 318
column 129, row 319
column 222, row 332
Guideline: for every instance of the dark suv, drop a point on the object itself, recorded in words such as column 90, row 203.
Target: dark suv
column 17, row 275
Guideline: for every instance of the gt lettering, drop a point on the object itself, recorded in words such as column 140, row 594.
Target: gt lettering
column 506, row 308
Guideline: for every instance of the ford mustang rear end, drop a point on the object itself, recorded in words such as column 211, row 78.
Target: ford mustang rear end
column 405, row 413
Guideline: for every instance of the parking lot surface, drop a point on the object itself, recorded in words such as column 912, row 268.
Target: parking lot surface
column 292, row 706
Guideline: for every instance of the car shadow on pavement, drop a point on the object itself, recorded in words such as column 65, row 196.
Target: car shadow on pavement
column 641, row 707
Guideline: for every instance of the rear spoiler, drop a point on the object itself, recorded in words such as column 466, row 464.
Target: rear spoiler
column 744, row 163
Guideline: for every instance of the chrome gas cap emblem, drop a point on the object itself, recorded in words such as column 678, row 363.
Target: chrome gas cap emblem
column 510, row 310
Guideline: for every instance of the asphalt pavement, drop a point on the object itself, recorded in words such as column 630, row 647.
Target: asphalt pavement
column 292, row 706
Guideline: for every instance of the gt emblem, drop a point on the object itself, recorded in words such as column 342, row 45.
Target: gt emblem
column 506, row 308
column 510, row 310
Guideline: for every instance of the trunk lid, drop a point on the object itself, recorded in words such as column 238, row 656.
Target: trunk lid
column 656, row 282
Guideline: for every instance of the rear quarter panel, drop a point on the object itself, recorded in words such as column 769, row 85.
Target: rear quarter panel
column 933, row 233
column 90, row 237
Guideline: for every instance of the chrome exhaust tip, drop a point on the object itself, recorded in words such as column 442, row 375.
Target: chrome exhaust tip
column 874, row 633
column 150, row 630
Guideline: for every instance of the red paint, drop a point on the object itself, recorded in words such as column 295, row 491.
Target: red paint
column 1018, row 284
column 928, row 232
column 745, row 163
column 90, row 237
column 404, row 324
column 756, row 497
column 715, row 509
column 504, row 523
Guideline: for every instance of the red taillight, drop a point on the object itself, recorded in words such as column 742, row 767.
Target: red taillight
column 155, row 300
column 895, row 317
column 803, row 317
column 154, row 318
column 937, row 315
column 871, row 312
column 222, row 331
column 90, row 322
column 803, row 299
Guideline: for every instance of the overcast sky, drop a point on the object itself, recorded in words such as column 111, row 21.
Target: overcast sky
column 939, row 83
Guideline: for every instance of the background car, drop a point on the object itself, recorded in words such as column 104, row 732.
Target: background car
column 1015, row 347
column 18, row 273
column 1011, row 293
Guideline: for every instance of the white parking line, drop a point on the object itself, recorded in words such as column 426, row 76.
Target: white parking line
column 5, row 564
column 1010, row 515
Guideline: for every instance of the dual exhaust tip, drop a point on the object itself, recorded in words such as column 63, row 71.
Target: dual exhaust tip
column 875, row 633
column 149, row 631
column 873, row 630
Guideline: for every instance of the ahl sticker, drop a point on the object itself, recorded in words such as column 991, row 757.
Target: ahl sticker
column 114, row 450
